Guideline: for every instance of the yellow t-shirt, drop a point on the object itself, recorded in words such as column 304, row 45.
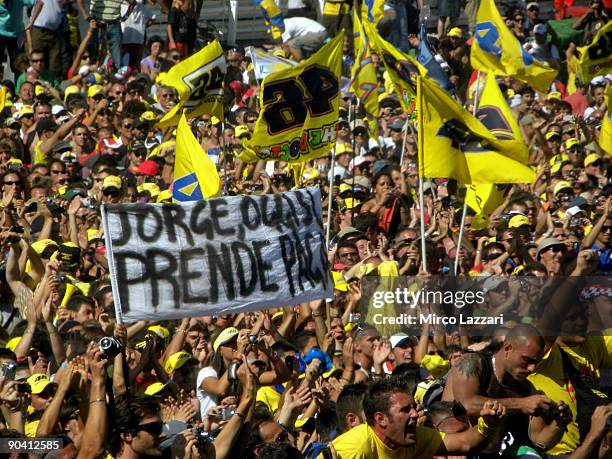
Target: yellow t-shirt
column 591, row 356
column 269, row 397
column 39, row 157
column 362, row 443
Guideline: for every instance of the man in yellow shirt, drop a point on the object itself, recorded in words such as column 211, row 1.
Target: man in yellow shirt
column 588, row 355
column 391, row 430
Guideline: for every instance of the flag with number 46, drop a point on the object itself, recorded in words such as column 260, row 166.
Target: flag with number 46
column 299, row 109
column 199, row 83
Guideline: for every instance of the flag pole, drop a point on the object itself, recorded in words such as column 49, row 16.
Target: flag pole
column 462, row 226
column 224, row 149
column 404, row 142
column 330, row 198
column 353, row 143
column 422, row 211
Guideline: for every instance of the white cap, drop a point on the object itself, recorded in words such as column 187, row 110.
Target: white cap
column 356, row 162
column 57, row 109
column 398, row 338
column 540, row 29
column 574, row 210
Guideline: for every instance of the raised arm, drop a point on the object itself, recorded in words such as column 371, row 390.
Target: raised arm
column 94, row 435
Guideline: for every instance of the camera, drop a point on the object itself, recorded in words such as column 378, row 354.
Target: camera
column 232, row 370
column 14, row 167
column 202, row 436
column 252, row 339
column 227, row 413
column 8, row 371
column 110, row 347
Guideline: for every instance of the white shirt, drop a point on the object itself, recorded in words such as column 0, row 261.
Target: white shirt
column 207, row 401
column 297, row 27
column 135, row 25
column 51, row 14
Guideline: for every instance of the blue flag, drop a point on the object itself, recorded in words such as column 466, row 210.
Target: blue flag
column 434, row 69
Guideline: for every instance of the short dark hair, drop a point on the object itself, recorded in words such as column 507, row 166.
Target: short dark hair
column 379, row 394
column 280, row 451
column 74, row 304
column 350, row 400
column 300, row 339
column 6, row 353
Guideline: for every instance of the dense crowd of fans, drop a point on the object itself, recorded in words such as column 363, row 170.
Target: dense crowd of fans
column 78, row 130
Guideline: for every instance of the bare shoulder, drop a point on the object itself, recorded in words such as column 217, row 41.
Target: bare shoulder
column 470, row 365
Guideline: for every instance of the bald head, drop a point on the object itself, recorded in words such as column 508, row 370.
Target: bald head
column 523, row 334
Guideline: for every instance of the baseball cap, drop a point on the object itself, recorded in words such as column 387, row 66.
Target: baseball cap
column 398, row 339
column 164, row 195
column 71, row 90
column 69, row 254
column 344, row 187
column 343, row 148
column 590, row 159
column 350, row 203
column 569, row 143
column 93, row 235
column 455, row 32
column 10, row 121
column 346, row 231
column 549, row 135
column 41, row 245
column 61, row 146
column 46, row 124
column 540, row 29
column 156, row 388
column 546, row 243
column 578, row 201
column 554, row 95
column 148, row 167
column 310, row 173
column 38, row 382
column 151, row 188
column 360, row 180
column 94, row 90
column 532, row 5
column 176, row 361
column 25, row 110
column 397, row 125
column 561, row 185
column 355, row 124
column 57, row 109
column 160, row 331
column 225, row 337
column 112, row 181
column 517, row 221
column 340, row 283
column 241, row 130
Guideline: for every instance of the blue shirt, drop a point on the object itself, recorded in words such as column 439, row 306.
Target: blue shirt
column 11, row 18
column 605, row 259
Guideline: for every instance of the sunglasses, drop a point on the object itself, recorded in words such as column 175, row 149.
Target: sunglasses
column 128, row 125
column 10, row 182
column 120, row 93
column 555, row 249
column 175, row 56
column 495, row 255
column 111, row 192
column 606, row 229
column 57, row 171
column 37, row 60
column 153, row 428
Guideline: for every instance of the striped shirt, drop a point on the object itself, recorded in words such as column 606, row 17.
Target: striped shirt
column 106, row 10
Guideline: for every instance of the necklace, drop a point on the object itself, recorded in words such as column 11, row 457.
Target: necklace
column 495, row 370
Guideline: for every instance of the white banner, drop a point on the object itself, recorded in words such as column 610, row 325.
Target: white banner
column 264, row 64
column 219, row 256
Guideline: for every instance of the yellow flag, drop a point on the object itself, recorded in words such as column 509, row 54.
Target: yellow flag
column 372, row 11
column 496, row 50
column 402, row 69
column 3, row 90
column 199, row 82
column 195, row 174
column 493, row 112
column 483, row 199
column 596, row 58
column 299, row 109
column 605, row 135
column 364, row 80
column 454, row 144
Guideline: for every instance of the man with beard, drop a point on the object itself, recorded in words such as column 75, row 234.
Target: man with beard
column 391, row 427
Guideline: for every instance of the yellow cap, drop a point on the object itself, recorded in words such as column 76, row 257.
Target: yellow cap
column 38, row 382
column 93, row 234
column 344, row 187
column 422, row 389
column 350, row 203
column 71, row 90
column 555, row 95
column 590, row 159
column 561, row 185
column 455, row 32
column 551, row 134
column 225, row 337
column 214, row 120
column 517, row 221
column 383, row 95
column 436, row 365
column 241, row 130
column 13, row 343
column 558, row 159
column 154, row 388
column 160, row 331
column 343, row 148
column 176, row 361
column 152, row 188
column 40, row 246
column 94, row 90
column 25, row 110
column 15, row 161
column 310, row 173
column 569, row 143
column 39, row 89
column 112, row 181
column 277, row 315
column 148, row 116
